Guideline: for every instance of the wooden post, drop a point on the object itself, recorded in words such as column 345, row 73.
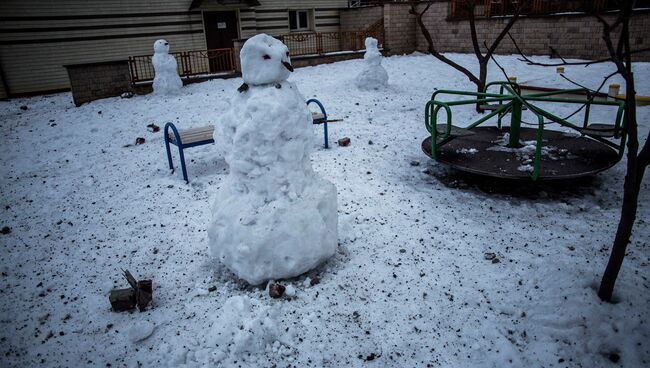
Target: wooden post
column 122, row 299
column 319, row 43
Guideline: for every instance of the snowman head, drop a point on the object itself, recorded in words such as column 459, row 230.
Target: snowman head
column 161, row 47
column 265, row 60
column 371, row 44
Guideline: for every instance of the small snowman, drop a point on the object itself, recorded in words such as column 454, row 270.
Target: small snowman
column 373, row 75
column 273, row 217
column 166, row 80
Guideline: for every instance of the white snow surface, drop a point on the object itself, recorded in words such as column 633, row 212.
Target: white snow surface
column 273, row 217
column 409, row 286
column 263, row 60
column 373, row 75
column 166, row 79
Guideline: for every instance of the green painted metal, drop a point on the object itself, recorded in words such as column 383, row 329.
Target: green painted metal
column 510, row 101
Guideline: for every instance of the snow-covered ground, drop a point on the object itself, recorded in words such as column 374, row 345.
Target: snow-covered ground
column 413, row 283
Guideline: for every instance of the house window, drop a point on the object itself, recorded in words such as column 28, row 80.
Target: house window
column 299, row 20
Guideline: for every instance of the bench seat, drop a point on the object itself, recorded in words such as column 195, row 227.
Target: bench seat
column 193, row 135
column 317, row 116
column 599, row 130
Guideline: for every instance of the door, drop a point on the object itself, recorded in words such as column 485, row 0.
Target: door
column 221, row 28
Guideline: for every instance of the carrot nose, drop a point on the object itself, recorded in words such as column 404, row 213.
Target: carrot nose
column 287, row 65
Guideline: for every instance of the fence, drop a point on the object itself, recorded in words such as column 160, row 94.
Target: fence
column 318, row 43
column 494, row 8
column 204, row 62
column 190, row 63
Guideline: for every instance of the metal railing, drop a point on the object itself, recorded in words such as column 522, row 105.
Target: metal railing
column 318, row 43
column 190, row 63
column 512, row 102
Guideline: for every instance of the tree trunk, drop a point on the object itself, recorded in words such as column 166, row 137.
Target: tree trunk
column 631, row 186
column 482, row 77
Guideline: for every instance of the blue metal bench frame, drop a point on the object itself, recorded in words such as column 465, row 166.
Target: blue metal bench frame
column 177, row 142
column 322, row 120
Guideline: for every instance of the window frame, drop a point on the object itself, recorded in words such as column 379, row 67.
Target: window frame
column 296, row 15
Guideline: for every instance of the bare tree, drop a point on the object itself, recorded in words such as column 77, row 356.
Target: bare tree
column 483, row 56
column 616, row 36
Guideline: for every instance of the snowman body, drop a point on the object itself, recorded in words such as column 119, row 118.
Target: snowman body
column 166, row 80
column 272, row 217
column 373, row 75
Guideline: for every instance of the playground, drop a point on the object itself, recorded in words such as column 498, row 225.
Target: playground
column 431, row 269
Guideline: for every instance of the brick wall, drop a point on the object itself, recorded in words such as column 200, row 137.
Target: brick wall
column 571, row 35
column 399, row 29
column 93, row 81
column 359, row 19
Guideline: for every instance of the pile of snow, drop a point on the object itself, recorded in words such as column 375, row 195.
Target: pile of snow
column 243, row 329
column 409, row 286
column 373, row 75
column 166, row 80
column 243, row 326
column 273, row 217
column 526, row 153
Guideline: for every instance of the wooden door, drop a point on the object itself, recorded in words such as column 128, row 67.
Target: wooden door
column 221, row 28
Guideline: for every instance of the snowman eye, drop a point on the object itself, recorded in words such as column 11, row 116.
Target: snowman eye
column 266, row 57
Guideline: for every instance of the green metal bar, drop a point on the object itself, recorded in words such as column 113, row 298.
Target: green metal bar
column 558, row 92
column 571, row 100
column 464, row 93
column 515, row 103
column 477, row 100
column 431, row 119
column 486, row 117
column 502, row 83
column 500, row 117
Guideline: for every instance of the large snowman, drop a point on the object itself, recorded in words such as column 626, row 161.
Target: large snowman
column 273, row 217
column 373, row 75
column 166, row 80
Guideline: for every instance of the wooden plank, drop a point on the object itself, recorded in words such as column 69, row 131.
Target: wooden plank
column 193, row 135
column 455, row 131
column 599, row 130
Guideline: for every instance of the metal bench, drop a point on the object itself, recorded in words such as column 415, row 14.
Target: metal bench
column 185, row 139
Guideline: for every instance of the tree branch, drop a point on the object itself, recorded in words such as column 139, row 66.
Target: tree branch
column 471, row 7
column 505, row 30
column 432, row 50
column 607, row 30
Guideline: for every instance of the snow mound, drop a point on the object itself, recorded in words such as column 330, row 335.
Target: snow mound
column 373, row 75
column 273, row 217
column 243, row 333
column 265, row 60
column 166, row 80
column 244, row 325
column 140, row 331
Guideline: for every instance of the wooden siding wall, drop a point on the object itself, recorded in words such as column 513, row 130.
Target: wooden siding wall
column 38, row 37
column 272, row 17
column 3, row 93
